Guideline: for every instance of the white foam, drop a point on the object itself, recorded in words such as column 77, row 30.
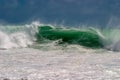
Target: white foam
column 21, row 39
column 17, row 36
column 14, row 40
column 5, row 42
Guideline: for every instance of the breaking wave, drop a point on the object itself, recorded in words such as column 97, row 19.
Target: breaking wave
column 20, row 36
column 17, row 36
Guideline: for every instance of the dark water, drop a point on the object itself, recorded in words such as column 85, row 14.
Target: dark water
column 67, row 12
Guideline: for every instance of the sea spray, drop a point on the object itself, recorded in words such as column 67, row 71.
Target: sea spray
column 5, row 42
column 14, row 40
column 21, row 39
column 17, row 36
column 112, row 39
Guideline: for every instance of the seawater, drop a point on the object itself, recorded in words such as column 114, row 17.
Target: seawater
column 22, row 58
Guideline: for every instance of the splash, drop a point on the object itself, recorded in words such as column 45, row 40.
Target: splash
column 112, row 39
column 21, row 36
column 14, row 40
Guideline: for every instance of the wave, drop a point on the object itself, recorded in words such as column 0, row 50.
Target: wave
column 88, row 38
column 36, row 33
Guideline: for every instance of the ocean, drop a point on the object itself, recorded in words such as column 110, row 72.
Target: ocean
column 23, row 57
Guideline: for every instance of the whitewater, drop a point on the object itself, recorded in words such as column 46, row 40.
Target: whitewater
column 22, row 58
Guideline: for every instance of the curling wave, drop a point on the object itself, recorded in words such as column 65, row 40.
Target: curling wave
column 36, row 33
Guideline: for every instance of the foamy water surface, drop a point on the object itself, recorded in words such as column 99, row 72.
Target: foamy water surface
column 72, row 63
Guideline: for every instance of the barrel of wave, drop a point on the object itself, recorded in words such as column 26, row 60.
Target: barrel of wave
column 87, row 37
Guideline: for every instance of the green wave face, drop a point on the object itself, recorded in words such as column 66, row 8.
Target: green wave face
column 86, row 38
